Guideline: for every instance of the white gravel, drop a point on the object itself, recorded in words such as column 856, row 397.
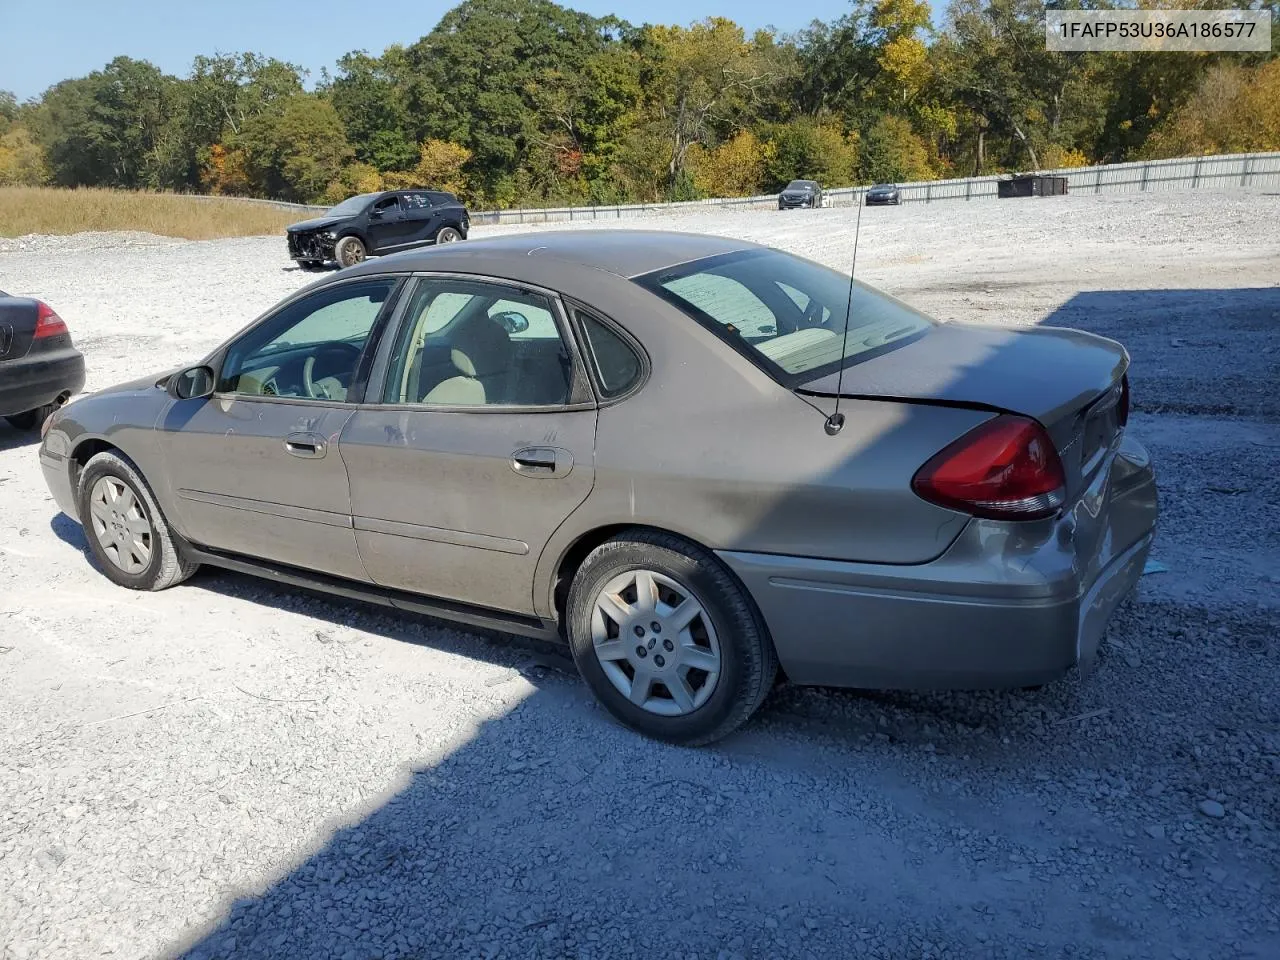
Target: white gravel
column 231, row 768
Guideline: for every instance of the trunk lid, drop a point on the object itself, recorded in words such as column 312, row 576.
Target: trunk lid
column 18, row 319
column 1068, row 380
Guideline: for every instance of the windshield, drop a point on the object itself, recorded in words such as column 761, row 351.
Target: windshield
column 352, row 205
column 798, row 184
column 786, row 313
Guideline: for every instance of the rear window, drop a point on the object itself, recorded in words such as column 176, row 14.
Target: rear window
column 787, row 314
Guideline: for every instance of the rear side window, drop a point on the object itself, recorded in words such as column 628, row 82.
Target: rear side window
column 618, row 367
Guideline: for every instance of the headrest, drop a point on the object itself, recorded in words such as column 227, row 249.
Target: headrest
column 481, row 347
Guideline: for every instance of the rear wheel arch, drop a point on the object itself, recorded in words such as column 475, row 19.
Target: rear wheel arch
column 573, row 555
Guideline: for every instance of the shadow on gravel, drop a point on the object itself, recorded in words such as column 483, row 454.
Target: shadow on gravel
column 555, row 833
column 1196, row 351
column 11, row 439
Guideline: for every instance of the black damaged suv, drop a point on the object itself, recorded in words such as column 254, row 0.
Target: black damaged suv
column 374, row 223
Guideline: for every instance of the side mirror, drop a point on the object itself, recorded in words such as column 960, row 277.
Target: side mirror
column 512, row 321
column 377, row 213
column 194, row 383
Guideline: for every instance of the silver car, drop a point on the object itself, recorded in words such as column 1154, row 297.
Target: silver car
column 663, row 448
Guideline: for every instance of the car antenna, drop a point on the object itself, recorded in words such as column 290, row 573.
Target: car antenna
column 835, row 422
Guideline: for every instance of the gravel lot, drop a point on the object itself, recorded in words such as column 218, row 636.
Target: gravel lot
column 230, row 769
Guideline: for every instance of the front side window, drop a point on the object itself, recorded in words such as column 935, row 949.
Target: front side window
column 310, row 349
column 478, row 344
column 786, row 313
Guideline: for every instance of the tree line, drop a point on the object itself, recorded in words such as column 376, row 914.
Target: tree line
column 526, row 102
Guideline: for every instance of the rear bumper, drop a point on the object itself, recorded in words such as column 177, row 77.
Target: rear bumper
column 39, row 378
column 1007, row 604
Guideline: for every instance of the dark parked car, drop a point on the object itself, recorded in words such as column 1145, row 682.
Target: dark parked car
column 378, row 223
column 882, row 194
column 544, row 434
column 800, row 193
column 40, row 369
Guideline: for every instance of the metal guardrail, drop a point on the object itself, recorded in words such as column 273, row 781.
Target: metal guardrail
column 1245, row 170
column 1235, row 170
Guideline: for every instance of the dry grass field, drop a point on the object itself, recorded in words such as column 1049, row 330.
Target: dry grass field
column 51, row 210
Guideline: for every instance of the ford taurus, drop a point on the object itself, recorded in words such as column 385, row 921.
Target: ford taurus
column 697, row 460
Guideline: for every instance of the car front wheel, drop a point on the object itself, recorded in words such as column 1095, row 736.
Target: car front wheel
column 127, row 533
column 667, row 639
column 350, row 251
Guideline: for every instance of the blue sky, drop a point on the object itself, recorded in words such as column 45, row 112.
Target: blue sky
column 50, row 40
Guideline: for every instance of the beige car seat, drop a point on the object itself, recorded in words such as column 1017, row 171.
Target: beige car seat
column 482, row 354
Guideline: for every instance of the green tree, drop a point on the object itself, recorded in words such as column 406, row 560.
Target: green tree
column 893, row 153
column 8, row 110
column 808, row 149
column 296, row 149
column 369, row 95
column 702, row 82
column 478, row 80
column 109, row 128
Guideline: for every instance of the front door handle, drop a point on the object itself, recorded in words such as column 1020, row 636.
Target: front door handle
column 541, row 462
column 307, row 445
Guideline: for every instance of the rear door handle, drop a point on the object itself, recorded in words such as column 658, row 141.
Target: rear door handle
column 308, row 445
column 542, row 462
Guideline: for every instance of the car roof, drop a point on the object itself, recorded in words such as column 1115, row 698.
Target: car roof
column 626, row 253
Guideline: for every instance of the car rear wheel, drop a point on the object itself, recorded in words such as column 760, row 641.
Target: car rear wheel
column 667, row 639
column 448, row 235
column 350, row 251
column 127, row 533
column 32, row 419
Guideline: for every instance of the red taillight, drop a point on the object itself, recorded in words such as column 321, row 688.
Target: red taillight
column 1006, row 469
column 48, row 323
column 1122, row 408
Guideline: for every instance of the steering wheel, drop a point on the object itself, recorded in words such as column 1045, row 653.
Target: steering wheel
column 343, row 352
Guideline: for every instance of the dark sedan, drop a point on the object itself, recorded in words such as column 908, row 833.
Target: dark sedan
column 544, row 434
column 40, row 369
column 378, row 223
column 800, row 193
column 884, row 194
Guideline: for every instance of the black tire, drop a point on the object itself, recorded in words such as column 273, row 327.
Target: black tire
column 449, row 234
column 32, row 419
column 349, row 251
column 166, row 565
column 748, row 661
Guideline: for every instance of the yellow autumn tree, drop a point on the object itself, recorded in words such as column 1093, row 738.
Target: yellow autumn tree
column 225, row 172
column 355, row 178
column 736, row 168
column 441, row 166
column 22, row 161
column 1234, row 110
column 1055, row 157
